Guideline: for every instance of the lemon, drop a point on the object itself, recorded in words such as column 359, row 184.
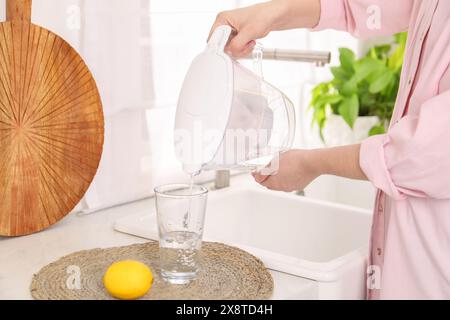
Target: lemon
column 128, row 280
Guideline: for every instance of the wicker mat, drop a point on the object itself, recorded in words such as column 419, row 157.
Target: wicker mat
column 227, row 273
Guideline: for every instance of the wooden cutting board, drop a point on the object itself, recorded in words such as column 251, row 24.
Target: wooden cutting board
column 51, row 125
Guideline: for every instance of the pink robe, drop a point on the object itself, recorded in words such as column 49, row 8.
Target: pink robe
column 410, row 165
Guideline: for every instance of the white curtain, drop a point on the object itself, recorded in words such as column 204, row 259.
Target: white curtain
column 139, row 51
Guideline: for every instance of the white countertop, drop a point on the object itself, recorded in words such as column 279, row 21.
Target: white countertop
column 22, row 257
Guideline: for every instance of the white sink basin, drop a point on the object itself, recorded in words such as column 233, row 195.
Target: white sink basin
column 307, row 238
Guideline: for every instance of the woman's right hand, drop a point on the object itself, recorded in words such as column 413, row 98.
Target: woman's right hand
column 257, row 21
column 249, row 24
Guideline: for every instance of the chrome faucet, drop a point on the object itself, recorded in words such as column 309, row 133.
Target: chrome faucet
column 319, row 58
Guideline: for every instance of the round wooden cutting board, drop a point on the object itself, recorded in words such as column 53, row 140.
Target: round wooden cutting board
column 51, row 125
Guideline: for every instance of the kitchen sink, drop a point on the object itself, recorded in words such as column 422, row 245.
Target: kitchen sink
column 312, row 239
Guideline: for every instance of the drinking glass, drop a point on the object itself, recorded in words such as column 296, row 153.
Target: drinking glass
column 181, row 218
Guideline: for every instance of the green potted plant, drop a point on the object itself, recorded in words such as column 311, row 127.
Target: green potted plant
column 359, row 100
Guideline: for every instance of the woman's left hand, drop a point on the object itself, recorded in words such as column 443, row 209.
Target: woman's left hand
column 296, row 169
column 292, row 172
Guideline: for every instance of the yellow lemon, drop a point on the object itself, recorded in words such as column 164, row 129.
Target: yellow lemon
column 128, row 280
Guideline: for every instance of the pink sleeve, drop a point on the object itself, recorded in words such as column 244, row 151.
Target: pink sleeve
column 413, row 158
column 365, row 18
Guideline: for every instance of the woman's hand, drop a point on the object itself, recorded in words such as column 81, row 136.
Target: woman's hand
column 295, row 172
column 249, row 24
column 257, row 21
column 296, row 169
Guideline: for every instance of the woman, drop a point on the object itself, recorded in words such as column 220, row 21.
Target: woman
column 410, row 165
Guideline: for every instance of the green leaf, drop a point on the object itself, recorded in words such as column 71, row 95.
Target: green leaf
column 401, row 38
column 329, row 99
column 367, row 102
column 319, row 114
column 339, row 73
column 396, row 59
column 365, row 67
column 350, row 87
column 381, row 51
column 319, row 118
column 349, row 109
column 382, row 82
column 335, row 107
column 376, row 130
column 320, row 88
column 374, row 76
column 317, row 92
column 347, row 58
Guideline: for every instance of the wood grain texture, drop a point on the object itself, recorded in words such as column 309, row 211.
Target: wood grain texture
column 18, row 10
column 51, row 128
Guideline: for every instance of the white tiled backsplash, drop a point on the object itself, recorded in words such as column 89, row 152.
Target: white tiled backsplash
column 139, row 52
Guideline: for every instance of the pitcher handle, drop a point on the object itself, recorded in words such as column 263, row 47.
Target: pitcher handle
column 258, row 56
column 220, row 38
column 292, row 121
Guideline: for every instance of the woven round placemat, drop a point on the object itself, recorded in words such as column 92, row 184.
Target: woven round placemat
column 227, row 273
